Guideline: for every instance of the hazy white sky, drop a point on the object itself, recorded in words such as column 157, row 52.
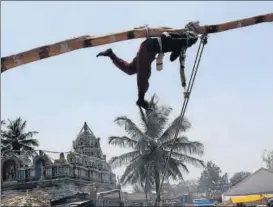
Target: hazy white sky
column 231, row 108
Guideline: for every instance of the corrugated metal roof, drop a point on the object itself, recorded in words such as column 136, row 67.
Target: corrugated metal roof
column 259, row 182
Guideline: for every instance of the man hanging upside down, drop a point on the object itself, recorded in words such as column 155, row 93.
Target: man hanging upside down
column 141, row 64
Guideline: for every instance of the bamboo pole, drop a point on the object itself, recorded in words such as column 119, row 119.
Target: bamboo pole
column 69, row 45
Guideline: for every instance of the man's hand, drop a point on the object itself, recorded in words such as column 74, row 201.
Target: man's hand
column 193, row 26
column 107, row 52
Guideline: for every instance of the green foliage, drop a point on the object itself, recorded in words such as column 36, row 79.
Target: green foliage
column 238, row 177
column 268, row 159
column 211, row 177
column 14, row 139
column 185, row 187
column 150, row 145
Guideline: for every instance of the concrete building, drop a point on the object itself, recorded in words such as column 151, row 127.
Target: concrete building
column 84, row 171
column 255, row 189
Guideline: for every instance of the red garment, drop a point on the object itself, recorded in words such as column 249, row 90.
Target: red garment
column 141, row 65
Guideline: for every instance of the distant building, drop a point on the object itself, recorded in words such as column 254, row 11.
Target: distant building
column 81, row 172
column 254, row 189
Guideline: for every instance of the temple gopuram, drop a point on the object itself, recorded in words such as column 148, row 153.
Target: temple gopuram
column 77, row 175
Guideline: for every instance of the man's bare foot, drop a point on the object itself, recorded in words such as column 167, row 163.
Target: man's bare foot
column 144, row 104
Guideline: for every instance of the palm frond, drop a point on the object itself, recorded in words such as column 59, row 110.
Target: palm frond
column 130, row 127
column 6, row 141
column 171, row 130
column 124, row 159
column 3, row 123
column 147, row 179
column 132, row 172
column 140, row 172
column 183, row 167
column 30, row 142
column 188, row 159
column 13, row 125
column 143, row 118
column 7, row 135
column 27, row 135
column 23, row 126
column 157, row 120
column 182, row 144
column 29, row 152
column 154, row 121
column 122, row 141
column 173, row 169
column 5, row 149
column 27, row 147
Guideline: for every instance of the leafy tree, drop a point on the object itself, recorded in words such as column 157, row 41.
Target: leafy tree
column 4, row 148
column 209, row 177
column 238, row 177
column 224, row 179
column 3, row 123
column 151, row 144
column 14, row 139
column 268, row 159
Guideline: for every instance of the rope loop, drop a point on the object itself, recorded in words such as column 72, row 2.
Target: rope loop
column 147, row 31
column 146, row 27
column 193, row 26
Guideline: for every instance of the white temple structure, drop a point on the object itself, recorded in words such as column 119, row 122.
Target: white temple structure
column 82, row 171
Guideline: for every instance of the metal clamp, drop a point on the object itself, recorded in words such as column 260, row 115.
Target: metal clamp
column 204, row 39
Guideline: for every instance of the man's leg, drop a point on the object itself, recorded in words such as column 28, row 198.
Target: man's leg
column 145, row 57
column 140, row 64
column 128, row 68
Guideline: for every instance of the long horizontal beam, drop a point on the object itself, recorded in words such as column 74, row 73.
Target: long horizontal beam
column 69, row 45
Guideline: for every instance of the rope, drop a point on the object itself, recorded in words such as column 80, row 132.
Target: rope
column 146, row 27
column 52, row 154
column 203, row 42
column 147, row 31
column 190, row 28
column 182, row 58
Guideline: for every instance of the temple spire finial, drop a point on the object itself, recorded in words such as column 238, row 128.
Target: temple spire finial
column 85, row 126
column 85, row 129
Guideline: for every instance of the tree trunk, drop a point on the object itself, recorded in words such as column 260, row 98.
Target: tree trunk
column 157, row 184
column 146, row 196
column 16, row 147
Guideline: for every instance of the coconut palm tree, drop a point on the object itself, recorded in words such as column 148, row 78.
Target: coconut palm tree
column 150, row 145
column 14, row 138
column 4, row 148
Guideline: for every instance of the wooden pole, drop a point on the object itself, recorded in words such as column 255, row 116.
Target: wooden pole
column 69, row 45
